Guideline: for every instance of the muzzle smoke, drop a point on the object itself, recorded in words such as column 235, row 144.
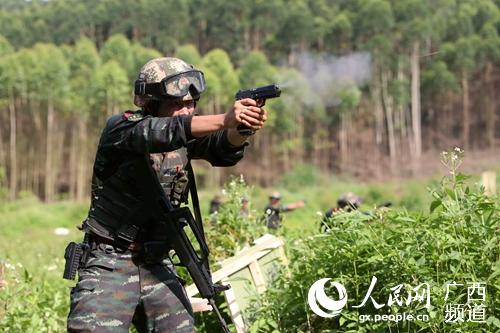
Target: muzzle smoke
column 326, row 75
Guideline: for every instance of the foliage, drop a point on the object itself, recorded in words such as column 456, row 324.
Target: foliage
column 457, row 242
column 30, row 304
column 189, row 53
column 231, row 230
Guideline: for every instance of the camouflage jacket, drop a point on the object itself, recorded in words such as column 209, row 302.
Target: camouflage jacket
column 117, row 204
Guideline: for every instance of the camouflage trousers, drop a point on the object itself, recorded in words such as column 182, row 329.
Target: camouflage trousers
column 118, row 287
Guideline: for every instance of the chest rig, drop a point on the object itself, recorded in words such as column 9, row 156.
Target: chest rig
column 119, row 206
column 171, row 171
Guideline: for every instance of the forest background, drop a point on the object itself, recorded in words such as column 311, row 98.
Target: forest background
column 371, row 89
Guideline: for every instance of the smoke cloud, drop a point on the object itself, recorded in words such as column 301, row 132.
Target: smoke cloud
column 326, row 75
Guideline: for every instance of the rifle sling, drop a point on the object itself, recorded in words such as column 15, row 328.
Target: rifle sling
column 194, row 197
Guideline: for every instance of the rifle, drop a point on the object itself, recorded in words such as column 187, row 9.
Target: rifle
column 258, row 94
column 172, row 222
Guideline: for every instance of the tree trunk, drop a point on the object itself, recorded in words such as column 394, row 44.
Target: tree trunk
column 400, row 116
column 202, row 39
column 286, row 154
column 82, row 160
column 73, row 164
column 343, row 143
column 3, row 154
column 49, row 183
column 465, row 110
column 39, row 134
column 389, row 106
column 300, row 151
column 377, row 104
column 490, row 105
column 13, row 150
column 415, row 101
column 58, row 159
column 246, row 38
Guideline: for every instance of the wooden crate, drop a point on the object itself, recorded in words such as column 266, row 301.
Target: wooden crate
column 248, row 273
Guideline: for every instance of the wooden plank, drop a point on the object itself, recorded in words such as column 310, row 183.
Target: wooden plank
column 234, row 310
column 257, row 276
column 489, row 182
column 284, row 260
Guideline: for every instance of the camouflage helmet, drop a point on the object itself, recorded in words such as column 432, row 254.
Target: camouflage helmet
column 168, row 78
column 275, row 195
column 349, row 199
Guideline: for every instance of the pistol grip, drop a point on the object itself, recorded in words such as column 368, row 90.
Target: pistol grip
column 245, row 130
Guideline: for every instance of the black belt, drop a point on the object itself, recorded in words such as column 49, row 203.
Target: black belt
column 134, row 246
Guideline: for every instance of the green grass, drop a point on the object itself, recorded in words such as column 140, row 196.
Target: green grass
column 28, row 237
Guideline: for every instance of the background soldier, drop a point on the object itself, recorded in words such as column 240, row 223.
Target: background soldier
column 274, row 208
column 346, row 202
column 245, row 208
column 120, row 283
column 215, row 204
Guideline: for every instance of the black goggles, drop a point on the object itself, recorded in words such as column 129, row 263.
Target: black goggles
column 176, row 86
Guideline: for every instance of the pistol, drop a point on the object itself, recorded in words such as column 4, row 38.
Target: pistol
column 259, row 94
column 75, row 256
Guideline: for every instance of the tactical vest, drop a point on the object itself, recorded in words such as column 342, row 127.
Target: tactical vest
column 119, row 205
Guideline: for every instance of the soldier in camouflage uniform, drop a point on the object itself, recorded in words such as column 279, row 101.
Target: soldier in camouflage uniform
column 120, row 283
column 347, row 202
column 275, row 207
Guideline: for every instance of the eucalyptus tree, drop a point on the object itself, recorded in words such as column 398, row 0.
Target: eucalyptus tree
column 161, row 24
column 295, row 33
column 52, row 87
column 11, row 75
column 489, row 54
column 262, row 23
column 218, row 61
column 349, row 96
column 297, row 103
column 30, row 102
column 255, row 71
column 439, row 83
column 461, row 52
column 5, row 46
column 221, row 74
column 373, row 23
column 141, row 55
column 5, row 50
column 189, row 53
column 84, row 60
column 112, row 89
column 117, row 48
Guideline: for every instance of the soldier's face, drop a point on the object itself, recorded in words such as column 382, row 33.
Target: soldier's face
column 176, row 108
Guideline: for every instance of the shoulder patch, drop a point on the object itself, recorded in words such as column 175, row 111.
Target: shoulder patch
column 133, row 116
